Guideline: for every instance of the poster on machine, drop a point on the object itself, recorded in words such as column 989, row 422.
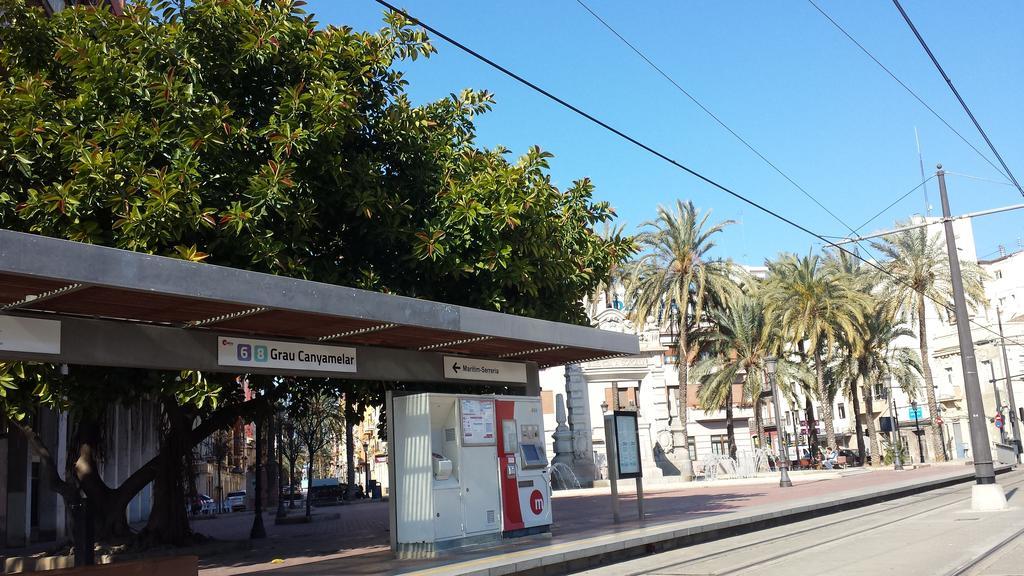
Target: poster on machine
column 627, row 444
column 477, row 421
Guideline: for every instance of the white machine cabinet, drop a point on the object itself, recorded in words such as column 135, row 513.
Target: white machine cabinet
column 467, row 469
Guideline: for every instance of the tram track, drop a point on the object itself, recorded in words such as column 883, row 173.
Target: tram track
column 882, row 508
column 991, row 554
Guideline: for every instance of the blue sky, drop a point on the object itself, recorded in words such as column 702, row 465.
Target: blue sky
column 777, row 72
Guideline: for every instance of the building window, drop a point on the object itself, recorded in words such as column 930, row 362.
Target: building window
column 999, row 274
column 842, row 410
column 949, row 376
column 720, row 444
column 789, row 420
column 691, row 445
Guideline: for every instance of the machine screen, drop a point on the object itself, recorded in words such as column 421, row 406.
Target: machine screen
column 533, row 456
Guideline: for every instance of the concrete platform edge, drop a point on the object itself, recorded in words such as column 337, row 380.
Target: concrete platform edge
column 602, row 550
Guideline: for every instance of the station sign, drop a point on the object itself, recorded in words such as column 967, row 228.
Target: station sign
column 458, row 368
column 246, row 353
column 29, row 335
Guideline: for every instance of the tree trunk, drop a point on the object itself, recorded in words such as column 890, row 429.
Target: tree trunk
column 730, row 431
column 291, row 480
column 876, row 455
column 859, row 427
column 350, row 447
column 272, row 471
column 826, row 402
column 929, row 386
column 682, row 456
column 309, row 488
column 168, row 519
column 812, row 428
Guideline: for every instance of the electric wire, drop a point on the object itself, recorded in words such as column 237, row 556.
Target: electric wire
column 715, row 117
column 655, row 152
column 749, row 146
column 894, row 202
column 905, row 87
column 956, row 93
column 979, row 178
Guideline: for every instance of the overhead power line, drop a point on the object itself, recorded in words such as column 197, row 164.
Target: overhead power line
column 712, row 114
column 894, row 202
column 956, row 93
column 653, row 151
column 715, row 117
column 905, row 87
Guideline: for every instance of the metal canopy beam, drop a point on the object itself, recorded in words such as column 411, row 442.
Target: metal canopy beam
column 43, row 258
column 86, row 341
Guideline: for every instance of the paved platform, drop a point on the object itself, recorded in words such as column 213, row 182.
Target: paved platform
column 584, row 534
column 933, row 532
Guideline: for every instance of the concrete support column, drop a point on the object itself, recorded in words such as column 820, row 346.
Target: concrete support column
column 19, row 491
column 51, row 504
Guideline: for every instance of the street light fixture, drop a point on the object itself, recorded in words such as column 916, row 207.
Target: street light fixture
column 770, row 365
column 917, row 431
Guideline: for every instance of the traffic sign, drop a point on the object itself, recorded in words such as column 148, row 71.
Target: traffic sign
column 999, row 420
column 914, row 413
column 938, row 420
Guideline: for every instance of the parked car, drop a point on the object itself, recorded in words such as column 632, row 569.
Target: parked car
column 357, row 492
column 201, row 504
column 235, row 501
column 852, row 456
column 286, row 493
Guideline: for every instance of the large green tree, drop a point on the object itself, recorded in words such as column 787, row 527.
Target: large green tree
column 916, row 270
column 246, row 134
column 676, row 267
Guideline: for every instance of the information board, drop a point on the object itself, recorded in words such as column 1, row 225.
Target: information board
column 477, row 421
column 627, row 444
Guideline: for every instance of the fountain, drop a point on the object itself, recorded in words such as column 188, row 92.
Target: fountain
column 563, row 476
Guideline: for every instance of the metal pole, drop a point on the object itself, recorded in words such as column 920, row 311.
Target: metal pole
column 613, row 473
column 983, row 469
column 783, row 462
column 1009, row 385
column 917, row 432
column 999, row 401
column 258, row 531
column 640, row 497
column 897, row 463
column 280, row 467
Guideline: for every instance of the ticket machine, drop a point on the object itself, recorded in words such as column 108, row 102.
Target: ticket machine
column 525, row 479
column 467, row 469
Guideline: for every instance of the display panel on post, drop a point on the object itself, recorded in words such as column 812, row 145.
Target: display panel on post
column 627, row 444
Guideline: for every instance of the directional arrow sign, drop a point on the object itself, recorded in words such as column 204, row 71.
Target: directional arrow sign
column 487, row 370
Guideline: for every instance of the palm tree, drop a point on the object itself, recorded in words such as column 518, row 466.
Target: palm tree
column 613, row 234
column 872, row 357
column 741, row 342
column 675, row 267
column 814, row 304
column 917, row 269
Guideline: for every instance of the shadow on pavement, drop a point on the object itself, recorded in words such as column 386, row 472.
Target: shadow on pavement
column 575, row 518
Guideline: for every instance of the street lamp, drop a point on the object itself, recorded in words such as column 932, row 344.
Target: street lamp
column 783, row 462
column 366, row 459
column 897, row 445
column 917, row 431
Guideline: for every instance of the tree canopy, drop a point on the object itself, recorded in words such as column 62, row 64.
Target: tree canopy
column 254, row 137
